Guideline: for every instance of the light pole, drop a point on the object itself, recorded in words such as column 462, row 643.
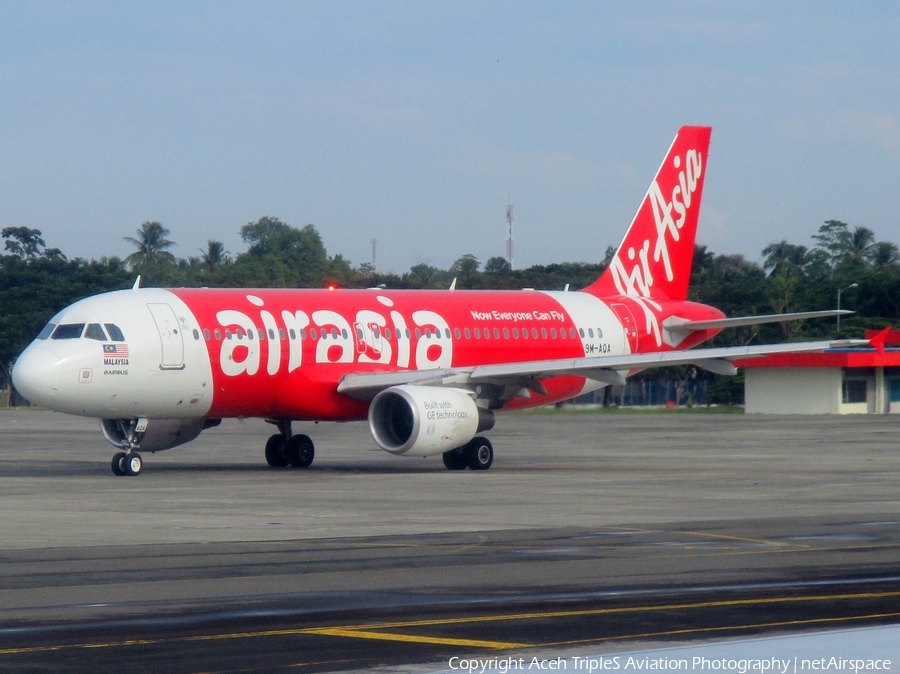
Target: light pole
column 840, row 290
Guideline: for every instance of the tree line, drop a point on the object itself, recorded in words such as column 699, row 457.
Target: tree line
column 37, row 281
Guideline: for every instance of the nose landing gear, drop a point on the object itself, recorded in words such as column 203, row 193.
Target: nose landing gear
column 129, row 462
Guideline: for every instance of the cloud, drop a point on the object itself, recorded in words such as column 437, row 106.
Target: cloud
column 879, row 130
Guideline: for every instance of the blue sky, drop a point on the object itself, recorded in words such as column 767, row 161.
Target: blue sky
column 413, row 122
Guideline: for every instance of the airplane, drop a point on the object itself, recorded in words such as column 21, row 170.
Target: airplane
column 428, row 369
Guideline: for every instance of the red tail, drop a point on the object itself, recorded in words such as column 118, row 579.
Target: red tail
column 654, row 259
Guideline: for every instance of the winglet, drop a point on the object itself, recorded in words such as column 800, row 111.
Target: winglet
column 137, row 283
column 879, row 340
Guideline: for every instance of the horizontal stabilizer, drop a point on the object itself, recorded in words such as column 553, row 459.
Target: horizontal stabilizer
column 676, row 325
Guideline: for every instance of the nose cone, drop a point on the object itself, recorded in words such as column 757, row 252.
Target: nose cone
column 37, row 376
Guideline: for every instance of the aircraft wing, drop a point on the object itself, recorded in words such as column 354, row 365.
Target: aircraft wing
column 609, row 369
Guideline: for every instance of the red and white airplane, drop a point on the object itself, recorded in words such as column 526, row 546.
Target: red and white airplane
column 427, row 368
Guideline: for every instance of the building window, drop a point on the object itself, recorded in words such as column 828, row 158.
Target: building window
column 856, row 384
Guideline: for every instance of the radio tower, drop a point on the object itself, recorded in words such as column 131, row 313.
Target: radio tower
column 509, row 236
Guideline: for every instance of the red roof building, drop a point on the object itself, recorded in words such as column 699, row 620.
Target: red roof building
column 837, row 381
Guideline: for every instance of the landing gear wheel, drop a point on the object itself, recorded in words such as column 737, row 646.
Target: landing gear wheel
column 133, row 464
column 479, row 454
column 455, row 459
column 118, row 464
column 275, row 455
column 299, row 451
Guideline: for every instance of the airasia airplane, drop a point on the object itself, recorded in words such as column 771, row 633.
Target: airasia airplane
column 427, row 368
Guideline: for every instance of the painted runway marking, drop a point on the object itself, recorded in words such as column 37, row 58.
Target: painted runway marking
column 369, row 630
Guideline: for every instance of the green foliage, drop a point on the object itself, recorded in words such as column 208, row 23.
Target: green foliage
column 36, row 281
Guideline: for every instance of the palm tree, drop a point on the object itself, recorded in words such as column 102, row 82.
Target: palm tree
column 215, row 254
column 151, row 245
column 784, row 258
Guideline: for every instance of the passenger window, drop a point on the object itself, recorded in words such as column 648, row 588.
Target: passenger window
column 468, row 334
column 196, row 334
column 456, row 332
column 581, row 332
column 544, row 333
column 206, row 334
column 262, row 334
column 477, row 333
column 68, row 331
column 218, row 335
column 45, row 333
column 271, row 334
column 281, row 334
column 599, row 333
column 505, row 333
column 313, row 333
column 302, row 333
column 293, row 333
column 114, row 332
column 94, row 331
column 387, row 333
column 553, row 333
column 591, row 332
column 516, row 333
column 572, row 333
column 487, row 333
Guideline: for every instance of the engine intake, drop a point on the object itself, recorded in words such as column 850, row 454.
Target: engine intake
column 425, row 420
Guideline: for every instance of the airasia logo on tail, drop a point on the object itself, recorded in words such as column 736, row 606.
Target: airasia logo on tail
column 688, row 178
column 633, row 276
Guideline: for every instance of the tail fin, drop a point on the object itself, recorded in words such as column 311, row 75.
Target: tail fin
column 654, row 259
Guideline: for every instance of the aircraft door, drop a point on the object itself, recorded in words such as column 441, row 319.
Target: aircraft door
column 368, row 339
column 629, row 325
column 170, row 336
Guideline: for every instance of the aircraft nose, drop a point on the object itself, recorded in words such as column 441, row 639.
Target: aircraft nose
column 37, row 375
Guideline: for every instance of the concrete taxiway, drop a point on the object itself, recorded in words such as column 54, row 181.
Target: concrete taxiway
column 589, row 529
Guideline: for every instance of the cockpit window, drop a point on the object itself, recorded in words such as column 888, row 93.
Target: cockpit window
column 114, row 332
column 94, row 331
column 45, row 333
column 68, row 331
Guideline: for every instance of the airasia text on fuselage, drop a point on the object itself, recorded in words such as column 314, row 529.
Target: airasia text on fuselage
column 381, row 337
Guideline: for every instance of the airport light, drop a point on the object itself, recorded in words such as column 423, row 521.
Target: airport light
column 840, row 290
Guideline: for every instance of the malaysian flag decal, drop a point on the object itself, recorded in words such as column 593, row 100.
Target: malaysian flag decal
column 115, row 351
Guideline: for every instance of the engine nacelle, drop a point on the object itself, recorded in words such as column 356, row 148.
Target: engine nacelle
column 425, row 420
column 160, row 434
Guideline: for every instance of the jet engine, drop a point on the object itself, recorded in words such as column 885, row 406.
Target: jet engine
column 160, row 434
column 425, row 420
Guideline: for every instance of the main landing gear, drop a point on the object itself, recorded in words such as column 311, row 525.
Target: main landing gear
column 285, row 449
column 478, row 454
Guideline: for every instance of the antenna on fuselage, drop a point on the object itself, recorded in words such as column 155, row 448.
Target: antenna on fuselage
column 137, row 283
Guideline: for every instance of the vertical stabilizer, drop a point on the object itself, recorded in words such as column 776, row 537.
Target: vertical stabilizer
column 654, row 259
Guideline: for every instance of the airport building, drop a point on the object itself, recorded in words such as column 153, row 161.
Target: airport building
column 837, row 381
